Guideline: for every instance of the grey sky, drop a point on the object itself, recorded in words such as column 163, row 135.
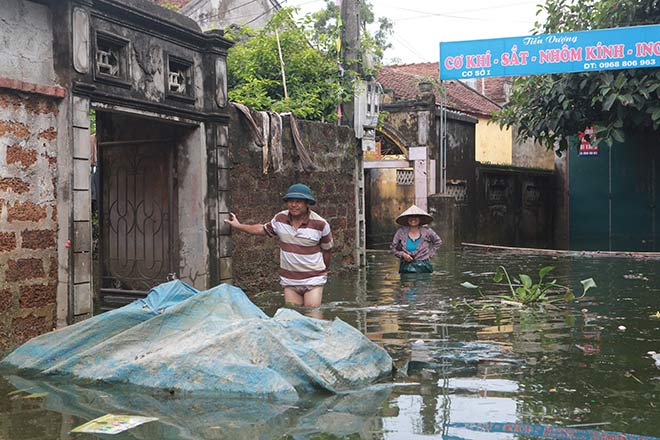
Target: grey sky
column 420, row 25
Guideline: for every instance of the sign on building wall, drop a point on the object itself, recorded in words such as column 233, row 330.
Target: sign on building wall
column 604, row 49
column 588, row 142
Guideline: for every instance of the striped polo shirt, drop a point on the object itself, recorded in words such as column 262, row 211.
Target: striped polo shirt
column 301, row 259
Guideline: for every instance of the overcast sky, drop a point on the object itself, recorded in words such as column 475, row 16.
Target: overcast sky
column 420, row 25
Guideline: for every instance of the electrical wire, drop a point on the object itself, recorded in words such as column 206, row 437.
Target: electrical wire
column 408, row 46
column 452, row 14
column 416, row 17
column 507, row 5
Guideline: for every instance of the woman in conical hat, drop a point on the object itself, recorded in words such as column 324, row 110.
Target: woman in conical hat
column 414, row 242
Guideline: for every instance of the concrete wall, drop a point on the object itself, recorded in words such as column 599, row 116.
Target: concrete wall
column 443, row 210
column 515, row 206
column 256, row 194
column 530, row 154
column 493, row 144
column 26, row 30
column 385, row 200
column 219, row 14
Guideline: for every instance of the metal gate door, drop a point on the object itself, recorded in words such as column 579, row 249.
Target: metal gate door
column 614, row 197
column 138, row 220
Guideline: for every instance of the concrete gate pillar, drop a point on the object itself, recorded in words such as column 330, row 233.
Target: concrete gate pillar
column 80, row 241
column 417, row 155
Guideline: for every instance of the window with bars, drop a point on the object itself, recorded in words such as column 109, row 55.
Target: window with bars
column 405, row 177
column 179, row 78
column 111, row 58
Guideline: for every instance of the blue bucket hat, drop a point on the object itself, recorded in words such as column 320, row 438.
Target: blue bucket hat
column 299, row 191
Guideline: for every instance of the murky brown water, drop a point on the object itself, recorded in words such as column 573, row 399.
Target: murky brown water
column 566, row 372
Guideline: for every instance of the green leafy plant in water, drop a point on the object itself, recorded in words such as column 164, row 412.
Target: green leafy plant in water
column 525, row 291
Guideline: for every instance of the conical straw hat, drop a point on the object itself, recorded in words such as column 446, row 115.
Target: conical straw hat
column 424, row 217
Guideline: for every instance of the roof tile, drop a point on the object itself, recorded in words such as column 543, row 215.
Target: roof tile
column 403, row 80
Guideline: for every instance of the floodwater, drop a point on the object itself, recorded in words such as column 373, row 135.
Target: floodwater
column 580, row 370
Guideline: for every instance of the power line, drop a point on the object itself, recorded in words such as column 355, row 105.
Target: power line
column 507, row 5
column 427, row 14
column 416, row 17
column 408, row 46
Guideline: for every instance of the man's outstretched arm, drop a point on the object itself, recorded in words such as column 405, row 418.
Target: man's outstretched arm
column 256, row 229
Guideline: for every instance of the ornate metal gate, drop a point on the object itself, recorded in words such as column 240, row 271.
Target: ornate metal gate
column 138, row 219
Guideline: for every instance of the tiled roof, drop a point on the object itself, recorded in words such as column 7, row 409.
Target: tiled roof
column 403, row 80
column 496, row 88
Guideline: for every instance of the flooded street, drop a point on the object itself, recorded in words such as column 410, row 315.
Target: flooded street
column 464, row 371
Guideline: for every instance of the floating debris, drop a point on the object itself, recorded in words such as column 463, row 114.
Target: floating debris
column 113, row 424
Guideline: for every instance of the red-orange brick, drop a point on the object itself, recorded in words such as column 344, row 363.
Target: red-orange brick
column 48, row 134
column 18, row 129
column 37, row 295
column 24, row 269
column 17, row 154
column 52, row 271
column 26, row 211
column 7, row 241
column 38, row 239
column 14, row 184
column 30, row 326
column 5, row 300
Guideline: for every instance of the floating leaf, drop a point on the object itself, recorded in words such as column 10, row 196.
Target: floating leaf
column 469, row 285
column 587, row 284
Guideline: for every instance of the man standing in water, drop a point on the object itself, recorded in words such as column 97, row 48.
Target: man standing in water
column 305, row 243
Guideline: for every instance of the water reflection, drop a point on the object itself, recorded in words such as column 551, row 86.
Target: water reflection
column 461, row 373
column 198, row 417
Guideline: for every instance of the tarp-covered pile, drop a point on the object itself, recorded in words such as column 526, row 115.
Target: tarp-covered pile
column 217, row 340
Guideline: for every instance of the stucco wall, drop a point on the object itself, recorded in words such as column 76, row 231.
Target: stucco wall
column 493, row 144
column 255, row 195
column 385, row 201
column 26, row 42
column 28, row 216
column 530, row 154
column 216, row 14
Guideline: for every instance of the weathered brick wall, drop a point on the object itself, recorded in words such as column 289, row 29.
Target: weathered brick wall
column 28, row 216
column 255, row 197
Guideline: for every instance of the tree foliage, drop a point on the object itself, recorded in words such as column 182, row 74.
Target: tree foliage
column 325, row 32
column 315, row 79
column 255, row 77
column 550, row 108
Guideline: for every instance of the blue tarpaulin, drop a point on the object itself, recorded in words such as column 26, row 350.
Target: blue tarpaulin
column 216, row 340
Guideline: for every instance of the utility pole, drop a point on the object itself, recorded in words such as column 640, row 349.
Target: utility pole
column 350, row 51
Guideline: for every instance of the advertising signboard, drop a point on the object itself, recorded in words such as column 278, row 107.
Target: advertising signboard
column 603, row 49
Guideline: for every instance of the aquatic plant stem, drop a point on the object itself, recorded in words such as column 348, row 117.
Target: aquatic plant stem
column 506, row 274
